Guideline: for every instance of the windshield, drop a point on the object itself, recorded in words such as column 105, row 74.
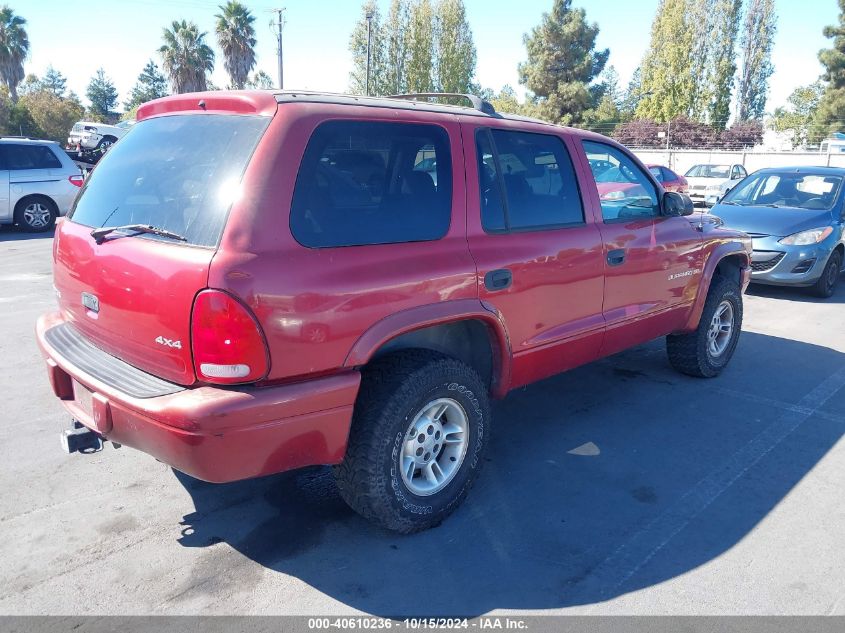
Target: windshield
column 709, row 171
column 816, row 192
column 178, row 173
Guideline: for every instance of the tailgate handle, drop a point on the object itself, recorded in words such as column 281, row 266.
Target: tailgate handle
column 500, row 279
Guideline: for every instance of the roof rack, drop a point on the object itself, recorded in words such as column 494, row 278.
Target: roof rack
column 477, row 102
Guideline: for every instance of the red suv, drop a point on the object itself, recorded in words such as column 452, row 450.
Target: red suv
column 252, row 282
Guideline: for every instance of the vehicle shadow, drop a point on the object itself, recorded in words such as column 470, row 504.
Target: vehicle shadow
column 785, row 293
column 15, row 234
column 614, row 477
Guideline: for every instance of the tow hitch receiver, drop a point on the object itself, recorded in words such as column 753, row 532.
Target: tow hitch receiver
column 80, row 439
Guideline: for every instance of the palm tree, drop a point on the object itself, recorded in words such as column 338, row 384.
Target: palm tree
column 236, row 37
column 186, row 57
column 14, row 48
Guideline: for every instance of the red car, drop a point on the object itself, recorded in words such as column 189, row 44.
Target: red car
column 669, row 179
column 253, row 282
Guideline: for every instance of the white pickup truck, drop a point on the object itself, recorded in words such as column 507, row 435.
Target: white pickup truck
column 92, row 135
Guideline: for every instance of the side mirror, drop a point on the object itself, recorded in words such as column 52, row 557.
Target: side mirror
column 676, row 204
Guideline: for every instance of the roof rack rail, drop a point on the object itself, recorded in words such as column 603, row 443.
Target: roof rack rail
column 477, row 102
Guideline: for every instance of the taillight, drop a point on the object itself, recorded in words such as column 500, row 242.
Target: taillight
column 226, row 340
column 76, row 179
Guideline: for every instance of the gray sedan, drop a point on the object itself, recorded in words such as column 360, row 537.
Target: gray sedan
column 795, row 218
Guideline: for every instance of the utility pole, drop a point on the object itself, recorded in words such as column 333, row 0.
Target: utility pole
column 369, row 43
column 280, row 23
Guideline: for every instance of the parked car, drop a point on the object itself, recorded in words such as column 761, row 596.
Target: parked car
column 38, row 183
column 669, row 179
column 795, row 218
column 237, row 298
column 708, row 183
column 92, row 135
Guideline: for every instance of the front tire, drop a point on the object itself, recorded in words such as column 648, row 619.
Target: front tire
column 826, row 285
column 419, row 433
column 705, row 352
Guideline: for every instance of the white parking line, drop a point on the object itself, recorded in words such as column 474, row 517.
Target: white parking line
column 614, row 571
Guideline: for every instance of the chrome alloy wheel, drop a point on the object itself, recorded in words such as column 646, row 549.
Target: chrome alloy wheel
column 36, row 215
column 720, row 330
column 435, row 447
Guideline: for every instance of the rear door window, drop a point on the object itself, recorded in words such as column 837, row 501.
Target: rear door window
column 373, row 183
column 18, row 157
column 180, row 173
column 526, row 181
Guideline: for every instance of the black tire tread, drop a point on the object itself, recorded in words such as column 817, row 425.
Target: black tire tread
column 820, row 289
column 385, row 385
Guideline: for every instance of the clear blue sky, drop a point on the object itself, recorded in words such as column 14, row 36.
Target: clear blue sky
column 121, row 35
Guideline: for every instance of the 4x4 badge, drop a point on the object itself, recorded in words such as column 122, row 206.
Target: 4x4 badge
column 91, row 302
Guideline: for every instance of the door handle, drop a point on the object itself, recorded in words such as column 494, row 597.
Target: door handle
column 500, row 279
column 616, row 257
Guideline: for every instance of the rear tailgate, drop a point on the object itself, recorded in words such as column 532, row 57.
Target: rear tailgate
column 132, row 294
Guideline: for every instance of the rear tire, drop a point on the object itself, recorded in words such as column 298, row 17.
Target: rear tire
column 705, row 352
column 408, row 463
column 36, row 214
column 826, row 285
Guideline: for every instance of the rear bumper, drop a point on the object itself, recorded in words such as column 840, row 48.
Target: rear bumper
column 211, row 433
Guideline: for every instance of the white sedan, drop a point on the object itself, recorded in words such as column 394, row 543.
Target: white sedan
column 709, row 182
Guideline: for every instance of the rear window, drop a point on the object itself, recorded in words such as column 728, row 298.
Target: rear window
column 180, row 173
column 29, row 157
column 373, row 183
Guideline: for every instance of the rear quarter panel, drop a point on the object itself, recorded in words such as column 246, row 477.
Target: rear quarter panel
column 314, row 304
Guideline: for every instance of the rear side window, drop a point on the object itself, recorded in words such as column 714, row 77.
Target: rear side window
column 29, row 157
column 180, row 173
column 526, row 181
column 373, row 183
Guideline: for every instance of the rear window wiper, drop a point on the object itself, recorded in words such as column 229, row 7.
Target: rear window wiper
column 100, row 234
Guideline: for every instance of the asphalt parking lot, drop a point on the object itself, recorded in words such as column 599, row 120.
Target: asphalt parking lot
column 620, row 487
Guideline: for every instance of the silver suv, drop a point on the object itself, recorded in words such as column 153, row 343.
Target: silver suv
column 38, row 183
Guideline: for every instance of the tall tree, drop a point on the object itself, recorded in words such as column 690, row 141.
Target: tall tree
column 632, row 96
column 456, row 56
column 830, row 116
column 186, row 57
column 758, row 34
column 700, row 15
column 396, row 46
column 370, row 31
column 236, row 37
column 151, row 84
column 667, row 89
column 54, row 81
column 726, row 18
column 421, row 56
column 798, row 115
column 14, row 48
column 562, row 62
column 101, row 93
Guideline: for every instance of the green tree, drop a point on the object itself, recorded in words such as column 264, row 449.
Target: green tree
column 186, row 57
column 700, row 15
column 396, row 44
column 151, row 84
column 798, row 115
column 101, row 93
column 667, row 89
column 14, row 49
column 260, row 81
column 236, row 37
column 52, row 114
column 758, row 34
column 54, row 81
column 420, row 40
column 456, row 56
column 722, row 62
column 830, row 116
column 632, row 96
column 562, row 62
column 358, row 47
